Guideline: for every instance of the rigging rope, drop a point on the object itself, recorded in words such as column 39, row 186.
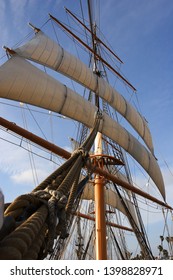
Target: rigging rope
column 145, row 248
column 39, row 217
column 167, row 229
column 31, row 157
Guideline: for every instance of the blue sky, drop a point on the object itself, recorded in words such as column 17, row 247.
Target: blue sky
column 140, row 32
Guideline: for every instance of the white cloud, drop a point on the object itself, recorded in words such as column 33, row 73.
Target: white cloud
column 26, row 176
column 23, row 177
column 15, row 165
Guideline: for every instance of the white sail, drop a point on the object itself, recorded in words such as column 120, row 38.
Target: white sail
column 111, row 199
column 47, row 52
column 21, row 81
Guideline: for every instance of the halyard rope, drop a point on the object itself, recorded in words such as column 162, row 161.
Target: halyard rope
column 39, row 217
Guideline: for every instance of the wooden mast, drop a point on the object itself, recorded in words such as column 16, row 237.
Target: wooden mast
column 96, row 38
column 99, row 182
column 92, row 51
column 101, row 244
column 65, row 154
column 101, row 252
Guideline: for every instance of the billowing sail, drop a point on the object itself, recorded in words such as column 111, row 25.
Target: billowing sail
column 45, row 51
column 21, row 81
column 112, row 199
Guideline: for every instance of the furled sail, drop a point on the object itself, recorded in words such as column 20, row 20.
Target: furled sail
column 21, row 81
column 111, row 199
column 47, row 52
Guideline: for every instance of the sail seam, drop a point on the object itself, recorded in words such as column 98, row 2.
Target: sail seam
column 108, row 94
column 58, row 64
column 63, row 103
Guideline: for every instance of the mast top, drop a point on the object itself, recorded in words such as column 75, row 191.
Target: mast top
column 97, row 56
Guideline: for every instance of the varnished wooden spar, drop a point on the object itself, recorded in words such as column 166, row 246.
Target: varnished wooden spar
column 94, row 35
column 92, row 51
column 65, row 154
column 34, row 138
column 88, row 217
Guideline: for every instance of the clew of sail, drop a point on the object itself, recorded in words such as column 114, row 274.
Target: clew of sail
column 45, row 51
column 21, row 81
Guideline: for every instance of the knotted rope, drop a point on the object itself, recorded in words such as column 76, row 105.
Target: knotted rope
column 39, row 217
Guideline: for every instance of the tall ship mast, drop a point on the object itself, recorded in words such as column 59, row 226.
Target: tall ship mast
column 88, row 207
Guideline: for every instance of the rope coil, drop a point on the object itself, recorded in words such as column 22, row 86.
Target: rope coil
column 39, row 217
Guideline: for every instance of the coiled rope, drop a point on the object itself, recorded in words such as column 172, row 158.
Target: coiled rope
column 34, row 220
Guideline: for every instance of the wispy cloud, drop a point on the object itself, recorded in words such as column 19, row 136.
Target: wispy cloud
column 132, row 30
column 15, row 166
column 26, row 176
